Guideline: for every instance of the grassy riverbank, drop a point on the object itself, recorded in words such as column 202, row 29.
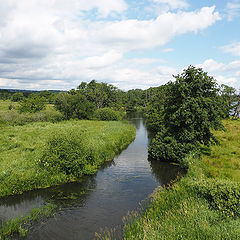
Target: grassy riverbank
column 40, row 155
column 205, row 204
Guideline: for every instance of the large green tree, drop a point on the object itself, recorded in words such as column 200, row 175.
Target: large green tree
column 74, row 105
column 190, row 111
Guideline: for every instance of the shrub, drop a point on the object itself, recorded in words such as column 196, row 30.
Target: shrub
column 167, row 148
column 74, row 105
column 66, row 153
column 33, row 104
column 108, row 114
column 222, row 195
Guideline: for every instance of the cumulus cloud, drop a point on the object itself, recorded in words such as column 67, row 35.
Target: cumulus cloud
column 233, row 48
column 210, row 65
column 54, row 44
column 224, row 73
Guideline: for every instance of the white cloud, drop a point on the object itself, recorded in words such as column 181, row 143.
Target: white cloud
column 50, row 44
column 224, row 73
column 210, row 65
column 102, row 61
column 225, row 80
column 233, row 48
column 233, row 10
column 168, row 50
column 173, row 4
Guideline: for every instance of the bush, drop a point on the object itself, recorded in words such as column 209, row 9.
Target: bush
column 66, row 153
column 74, row 105
column 32, row 104
column 13, row 117
column 167, row 148
column 222, row 195
column 108, row 114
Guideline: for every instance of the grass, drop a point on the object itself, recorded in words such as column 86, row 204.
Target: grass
column 13, row 117
column 224, row 160
column 19, row 226
column 22, row 149
column 201, row 205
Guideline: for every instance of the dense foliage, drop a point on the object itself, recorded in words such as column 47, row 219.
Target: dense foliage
column 74, row 105
column 190, row 111
column 33, row 104
column 108, row 114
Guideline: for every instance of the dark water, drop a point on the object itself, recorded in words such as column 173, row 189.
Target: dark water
column 99, row 201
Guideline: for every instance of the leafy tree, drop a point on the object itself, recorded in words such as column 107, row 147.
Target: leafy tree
column 155, row 98
column 74, row 105
column 33, row 104
column 229, row 97
column 18, row 96
column 190, row 111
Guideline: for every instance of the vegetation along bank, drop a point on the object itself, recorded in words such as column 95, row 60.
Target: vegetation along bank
column 188, row 126
column 43, row 154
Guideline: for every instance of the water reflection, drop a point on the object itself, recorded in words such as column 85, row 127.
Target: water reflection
column 98, row 201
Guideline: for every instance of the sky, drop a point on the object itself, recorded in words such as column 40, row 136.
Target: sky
column 57, row 44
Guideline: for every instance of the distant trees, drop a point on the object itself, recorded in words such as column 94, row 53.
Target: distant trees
column 18, row 96
column 32, row 104
column 229, row 99
column 190, row 111
column 74, row 105
column 89, row 97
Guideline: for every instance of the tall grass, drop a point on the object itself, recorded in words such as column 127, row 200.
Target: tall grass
column 23, row 149
column 197, row 206
column 18, row 227
column 14, row 117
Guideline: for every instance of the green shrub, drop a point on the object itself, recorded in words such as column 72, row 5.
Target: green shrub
column 166, row 148
column 32, row 104
column 108, row 114
column 66, row 152
column 13, row 117
column 222, row 195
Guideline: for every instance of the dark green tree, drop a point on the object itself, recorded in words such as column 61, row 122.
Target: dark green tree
column 229, row 98
column 74, row 105
column 18, row 96
column 190, row 111
column 32, row 104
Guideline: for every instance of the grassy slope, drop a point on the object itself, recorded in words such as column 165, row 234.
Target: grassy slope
column 224, row 161
column 197, row 207
column 22, row 147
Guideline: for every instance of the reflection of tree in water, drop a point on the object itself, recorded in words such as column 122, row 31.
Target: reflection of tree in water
column 165, row 172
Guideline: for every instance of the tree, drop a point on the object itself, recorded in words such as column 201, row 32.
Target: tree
column 190, row 111
column 229, row 98
column 18, row 96
column 32, row 104
column 74, row 105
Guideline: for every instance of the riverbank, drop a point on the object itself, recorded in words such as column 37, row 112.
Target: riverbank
column 204, row 204
column 39, row 155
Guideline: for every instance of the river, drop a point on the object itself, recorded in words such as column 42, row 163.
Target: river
column 99, row 201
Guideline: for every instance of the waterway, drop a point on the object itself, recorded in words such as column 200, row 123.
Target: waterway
column 99, row 201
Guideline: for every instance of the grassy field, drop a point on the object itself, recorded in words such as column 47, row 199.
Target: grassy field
column 224, row 160
column 204, row 204
column 39, row 155
column 14, row 117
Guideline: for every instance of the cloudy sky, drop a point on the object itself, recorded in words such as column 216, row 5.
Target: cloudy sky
column 57, row 44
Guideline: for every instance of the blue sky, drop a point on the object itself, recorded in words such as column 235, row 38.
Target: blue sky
column 131, row 44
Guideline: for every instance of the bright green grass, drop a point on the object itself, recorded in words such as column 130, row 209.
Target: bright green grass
column 224, row 160
column 22, row 147
column 195, row 207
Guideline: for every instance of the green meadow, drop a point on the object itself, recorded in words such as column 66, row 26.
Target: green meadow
column 204, row 204
column 42, row 154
